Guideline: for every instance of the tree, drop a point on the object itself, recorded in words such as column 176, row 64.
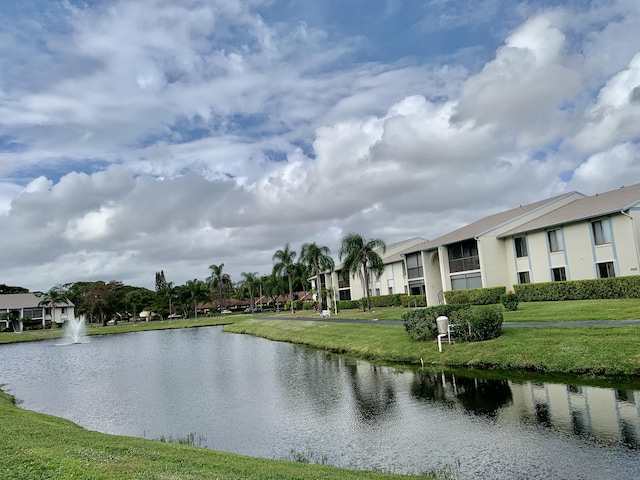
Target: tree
column 250, row 281
column 54, row 297
column 317, row 259
column 219, row 281
column 196, row 291
column 360, row 258
column 284, row 265
column 107, row 299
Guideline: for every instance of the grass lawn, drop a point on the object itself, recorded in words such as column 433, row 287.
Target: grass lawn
column 36, row 446
column 573, row 310
column 566, row 350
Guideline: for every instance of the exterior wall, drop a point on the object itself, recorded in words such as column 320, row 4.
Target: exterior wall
column 580, row 255
column 494, row 269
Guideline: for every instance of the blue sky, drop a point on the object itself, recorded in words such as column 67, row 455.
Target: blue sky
column 148, row 135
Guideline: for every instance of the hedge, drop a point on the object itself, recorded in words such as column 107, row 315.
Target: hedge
column 393, row 300
column 475, row 296
column 413, row 300
column 601, row 288
column 348, row 304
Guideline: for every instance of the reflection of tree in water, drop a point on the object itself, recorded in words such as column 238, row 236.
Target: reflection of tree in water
column 483, row 397
column 430, row 386
column 373, row 392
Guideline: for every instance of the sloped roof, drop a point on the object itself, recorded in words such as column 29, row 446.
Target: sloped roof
column 25, row 300
column 581, row 209
column 486, row 224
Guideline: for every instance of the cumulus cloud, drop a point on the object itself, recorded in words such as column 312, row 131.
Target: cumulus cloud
column 181, row 135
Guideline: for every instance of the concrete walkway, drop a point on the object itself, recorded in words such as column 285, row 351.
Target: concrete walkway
column 584, row 323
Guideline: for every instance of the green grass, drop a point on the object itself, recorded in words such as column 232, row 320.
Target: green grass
column 566, row 350
column 37, row 446
column 574, row 310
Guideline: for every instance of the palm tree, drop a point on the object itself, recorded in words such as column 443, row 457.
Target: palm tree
column 317, row 259
column 196, row 291
column 360, row 257
column 218, row 280
column 250, row 281
column 55, row 296
column 284, row 264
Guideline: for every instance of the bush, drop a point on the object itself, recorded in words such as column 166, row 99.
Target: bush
column 420, row 324
column 509, row 301
column 348, row 304
column 601, row 288
column 477, row 324
column 475, row 296
column 471, row 324
column 392, row 300
column 413, row 300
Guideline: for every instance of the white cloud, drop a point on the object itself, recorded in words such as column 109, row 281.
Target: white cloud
column 201, row 133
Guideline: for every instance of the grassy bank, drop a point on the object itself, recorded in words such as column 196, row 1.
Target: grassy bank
column 574, row 350
column 619, row 309
column 37, row 446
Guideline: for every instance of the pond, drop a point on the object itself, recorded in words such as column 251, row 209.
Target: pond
column 276, row 400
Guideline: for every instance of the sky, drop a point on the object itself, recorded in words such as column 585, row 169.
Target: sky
column 159, row 135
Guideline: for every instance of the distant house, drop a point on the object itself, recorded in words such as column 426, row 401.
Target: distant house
column 22, row 310
column 566, row 237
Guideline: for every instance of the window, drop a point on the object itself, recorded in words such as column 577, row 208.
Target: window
column 606, row 270
column 377, row 292
column 523, row 277
column 414, row 265
column 342, row 281
column 558, row 274
column 345, row 294
column 389, row 271
column 463, row 256
column 466, row 281
column 601, row 232
column 555, row 241
column 521, row 247
column 390, row 290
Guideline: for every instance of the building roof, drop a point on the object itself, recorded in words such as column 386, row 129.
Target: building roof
column 487, row 224
column 581, row 209
column 25, row 300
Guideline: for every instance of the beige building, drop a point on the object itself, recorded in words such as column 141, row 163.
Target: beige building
column 566, row 237
column 20, row 310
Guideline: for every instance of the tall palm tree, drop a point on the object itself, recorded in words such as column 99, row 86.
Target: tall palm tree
column 218, row 280
column 317, row 259
column 284, row 264
column 250, row 281
column 360, row 258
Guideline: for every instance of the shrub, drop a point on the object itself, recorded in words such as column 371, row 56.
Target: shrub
column 348, row 304
column 477, row 324
column 475, row 296
column 392, row 300
column 413, row 300
column 509, row 301
column 601, row 288
column 420, row 324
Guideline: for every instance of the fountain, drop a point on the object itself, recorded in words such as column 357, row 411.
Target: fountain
column 74, row 330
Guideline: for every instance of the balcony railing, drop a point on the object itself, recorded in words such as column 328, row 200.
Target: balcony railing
column 464, row 264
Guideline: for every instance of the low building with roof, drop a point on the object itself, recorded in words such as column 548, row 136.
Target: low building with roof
column 24, row 310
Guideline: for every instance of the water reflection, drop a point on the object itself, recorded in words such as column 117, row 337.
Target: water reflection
column 605, row 415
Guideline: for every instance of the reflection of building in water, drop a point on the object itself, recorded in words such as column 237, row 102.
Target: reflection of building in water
column 607, row 415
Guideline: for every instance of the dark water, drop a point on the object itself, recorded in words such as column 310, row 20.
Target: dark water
column 268, row 399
